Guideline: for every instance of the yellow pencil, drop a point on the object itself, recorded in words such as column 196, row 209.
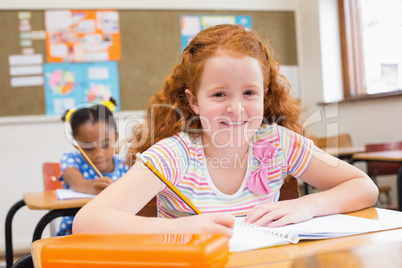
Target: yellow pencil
column 168, row 183
column 87, row 158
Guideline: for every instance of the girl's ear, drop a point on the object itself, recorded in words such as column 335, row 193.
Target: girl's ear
column 116, row 149
column 266, row 91
column 116, row 136
column 192, row 100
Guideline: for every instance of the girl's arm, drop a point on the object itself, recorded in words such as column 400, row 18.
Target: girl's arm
column 73, row 177
column 344, row 188
column 114, row 209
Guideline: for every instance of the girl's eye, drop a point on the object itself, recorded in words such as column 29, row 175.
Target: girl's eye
column 88, row 149
column 249, row 93
column 106, row 145
column 219, row 94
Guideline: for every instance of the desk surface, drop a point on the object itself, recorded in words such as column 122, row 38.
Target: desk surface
column 367, row 256
column 285, row 256
column 48, row 201
column 343, row 151
column 389, row 156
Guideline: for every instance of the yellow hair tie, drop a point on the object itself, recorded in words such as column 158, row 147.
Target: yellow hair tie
column 110, row 105
column 68, row 114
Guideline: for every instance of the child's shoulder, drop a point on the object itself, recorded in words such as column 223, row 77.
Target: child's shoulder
column 71, row 159
column 181, row 145
column 121, row 164
column 180, row 139
column 72, row 156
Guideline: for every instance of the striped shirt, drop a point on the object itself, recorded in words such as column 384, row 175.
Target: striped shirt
column 181, row 160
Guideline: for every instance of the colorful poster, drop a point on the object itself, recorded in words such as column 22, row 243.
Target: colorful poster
column 190, row 25
column 69, row 85
column 82, row 35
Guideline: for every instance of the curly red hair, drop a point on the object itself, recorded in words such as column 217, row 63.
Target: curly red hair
column 169, row 112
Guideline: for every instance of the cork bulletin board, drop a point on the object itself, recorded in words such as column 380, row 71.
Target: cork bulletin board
column 150, row 46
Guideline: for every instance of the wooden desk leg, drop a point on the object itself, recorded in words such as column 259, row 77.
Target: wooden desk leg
column 8, row 228
column 48, row 217
column 399, row 187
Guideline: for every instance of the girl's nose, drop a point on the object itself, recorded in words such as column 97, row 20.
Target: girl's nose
column 97, row 152
column 235, row 107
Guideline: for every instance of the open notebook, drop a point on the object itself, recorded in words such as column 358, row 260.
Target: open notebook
column 63, row 194
column 248, row 237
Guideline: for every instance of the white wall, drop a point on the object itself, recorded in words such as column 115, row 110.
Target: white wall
column 27, row 142
column 24, row 147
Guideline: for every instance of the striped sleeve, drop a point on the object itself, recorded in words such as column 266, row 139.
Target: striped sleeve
column 170, row 157
column 297, row 150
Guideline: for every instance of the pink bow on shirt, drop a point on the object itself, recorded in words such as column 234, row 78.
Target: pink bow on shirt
column 258, row 181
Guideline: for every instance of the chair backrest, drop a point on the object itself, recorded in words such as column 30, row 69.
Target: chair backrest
column 150, row 209
column 381, row 168
column 342, row 140
column 51, row 173
column 289, row 189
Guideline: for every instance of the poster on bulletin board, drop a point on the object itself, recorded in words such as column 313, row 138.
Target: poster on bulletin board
column 190, row 25
column 82, row 35
column 68, row 85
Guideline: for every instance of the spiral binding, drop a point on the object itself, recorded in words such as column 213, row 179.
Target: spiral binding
column 291, row 236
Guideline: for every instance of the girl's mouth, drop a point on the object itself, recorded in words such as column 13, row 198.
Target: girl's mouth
column 99, row 163
column 233, row 123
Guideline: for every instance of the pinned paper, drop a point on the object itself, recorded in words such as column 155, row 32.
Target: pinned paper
column 24, row 15
column 82, row 35
column 190, row 25
column 25, row 81
column 25, row 59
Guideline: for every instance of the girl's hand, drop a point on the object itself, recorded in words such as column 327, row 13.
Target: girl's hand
column 101, row 183
column 280, row 213
column 206, row 223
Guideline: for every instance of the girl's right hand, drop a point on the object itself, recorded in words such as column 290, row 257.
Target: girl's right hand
column 207, row 223
column 101, row 183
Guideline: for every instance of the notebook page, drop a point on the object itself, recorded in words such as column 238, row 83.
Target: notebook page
column 335, row 226
column 63, row 194
column 248, row 237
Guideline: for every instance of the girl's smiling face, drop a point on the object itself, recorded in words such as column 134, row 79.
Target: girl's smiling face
column 229, row 99
column 98, row 142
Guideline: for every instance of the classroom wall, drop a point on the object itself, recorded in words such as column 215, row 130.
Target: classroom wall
column 27, row 142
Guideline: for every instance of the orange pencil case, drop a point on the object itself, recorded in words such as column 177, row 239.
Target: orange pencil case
column 136, row 250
